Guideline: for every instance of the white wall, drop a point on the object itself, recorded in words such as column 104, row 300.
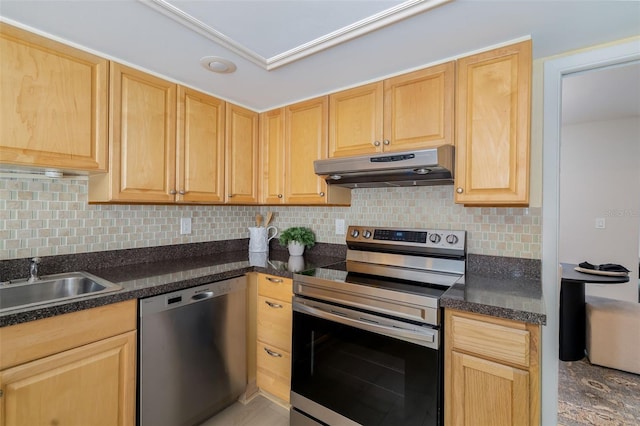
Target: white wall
column 600, row 178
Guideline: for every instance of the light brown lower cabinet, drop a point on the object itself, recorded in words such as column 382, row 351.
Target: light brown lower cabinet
column 274, row 371
column 492, row 371
column 67, row 370
column 273, row 352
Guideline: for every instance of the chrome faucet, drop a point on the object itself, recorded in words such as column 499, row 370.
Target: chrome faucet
column 33, row 270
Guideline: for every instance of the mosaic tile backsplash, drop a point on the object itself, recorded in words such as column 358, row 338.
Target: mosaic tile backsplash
column 44, row 217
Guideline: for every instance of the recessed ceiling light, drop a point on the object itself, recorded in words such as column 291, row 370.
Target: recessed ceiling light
column 218, row 64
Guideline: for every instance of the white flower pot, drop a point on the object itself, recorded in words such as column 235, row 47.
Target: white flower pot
column 295, row 248
column 295, row 264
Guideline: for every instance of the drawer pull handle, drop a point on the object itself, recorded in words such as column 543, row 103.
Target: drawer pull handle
column 272, row 353
column 274, row 280
column 273, row 305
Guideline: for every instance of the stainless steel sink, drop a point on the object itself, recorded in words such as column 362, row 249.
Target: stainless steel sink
column 52, row 288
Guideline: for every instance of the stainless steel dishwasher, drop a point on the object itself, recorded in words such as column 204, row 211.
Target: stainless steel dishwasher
column 192, row 353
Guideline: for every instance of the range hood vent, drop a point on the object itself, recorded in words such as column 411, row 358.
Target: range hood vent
column 433, row 166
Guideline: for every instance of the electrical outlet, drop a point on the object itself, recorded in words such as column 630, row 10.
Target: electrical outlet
column 600, row 223
column 185, row 226
column 339, row 226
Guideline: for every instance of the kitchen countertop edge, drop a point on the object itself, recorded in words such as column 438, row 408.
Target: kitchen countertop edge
column 494, row 311
column 485, row 292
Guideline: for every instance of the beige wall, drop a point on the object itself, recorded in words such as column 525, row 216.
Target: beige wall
column 41, row 217
column 600, row 178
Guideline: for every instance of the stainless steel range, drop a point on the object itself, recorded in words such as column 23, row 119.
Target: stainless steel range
column 367, row 333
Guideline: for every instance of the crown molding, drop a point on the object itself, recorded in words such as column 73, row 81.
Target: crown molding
column 364, row 26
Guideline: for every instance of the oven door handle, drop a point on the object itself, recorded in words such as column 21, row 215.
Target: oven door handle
column 423, row 337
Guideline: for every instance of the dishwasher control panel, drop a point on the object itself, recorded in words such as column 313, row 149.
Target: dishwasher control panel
column 176, row 299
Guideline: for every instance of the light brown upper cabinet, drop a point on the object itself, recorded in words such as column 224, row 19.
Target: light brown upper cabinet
column 241, row 155
column 272, row 156
column 142, row 139
column 53, row 106
column 493, row 127
column 410, row 111
column 167, row 143
column 355, row 122
column 200, row 153
column 306, row 141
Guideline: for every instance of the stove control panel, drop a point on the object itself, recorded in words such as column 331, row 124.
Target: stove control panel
column 428, row 238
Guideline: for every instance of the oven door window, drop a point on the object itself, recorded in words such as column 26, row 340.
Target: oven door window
column 369, row 378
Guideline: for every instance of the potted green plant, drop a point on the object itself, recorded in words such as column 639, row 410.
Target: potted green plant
column 296, row 239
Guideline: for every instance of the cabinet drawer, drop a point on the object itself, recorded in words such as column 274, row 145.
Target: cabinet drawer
column 276, row 287
column 274, row 322
column 274, row 371
column 488, row 339
column 37, row 339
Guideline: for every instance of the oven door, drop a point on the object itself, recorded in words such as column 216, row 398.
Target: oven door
column 351, row 367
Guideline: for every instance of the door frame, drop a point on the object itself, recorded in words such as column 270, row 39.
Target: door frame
column 554, row 71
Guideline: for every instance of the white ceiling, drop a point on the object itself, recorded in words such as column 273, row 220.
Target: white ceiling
column 286, row 51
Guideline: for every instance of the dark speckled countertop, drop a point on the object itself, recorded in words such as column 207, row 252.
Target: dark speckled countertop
column 503, row 287
column 500, row 287
column 161, row 275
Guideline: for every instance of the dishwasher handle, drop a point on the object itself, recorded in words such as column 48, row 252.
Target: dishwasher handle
column 202, row 296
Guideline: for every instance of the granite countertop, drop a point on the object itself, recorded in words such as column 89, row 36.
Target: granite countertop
column 502, row 287
column 517, row 299
column 151, row 278
column 491, row 287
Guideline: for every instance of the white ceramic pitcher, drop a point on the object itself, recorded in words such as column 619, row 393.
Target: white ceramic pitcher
column 259, row 238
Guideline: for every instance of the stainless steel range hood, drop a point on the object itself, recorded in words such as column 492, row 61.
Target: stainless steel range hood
column 433, row 166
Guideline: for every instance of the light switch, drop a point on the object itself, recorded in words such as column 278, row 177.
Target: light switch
column 339, row 226
column 600, row 223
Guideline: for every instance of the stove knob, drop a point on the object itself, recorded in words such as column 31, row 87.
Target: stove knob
column 452, row 239
column 355, row 233
column 366, row 234
column 435, row 238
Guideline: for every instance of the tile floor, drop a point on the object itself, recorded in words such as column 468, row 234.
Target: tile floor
column 260, row 411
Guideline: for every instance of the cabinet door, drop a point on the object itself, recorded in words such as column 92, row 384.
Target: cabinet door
column 418, row 109
column 487, row 393
column 355, row 121
column 305, row 141
column 90, row 385
column 272, row 156
column 493, row 126
column 143, row 136
column 241, row 156
column 200, row 147
column 54, row 104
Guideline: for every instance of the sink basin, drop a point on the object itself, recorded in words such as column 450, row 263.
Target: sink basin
column 52, row 288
